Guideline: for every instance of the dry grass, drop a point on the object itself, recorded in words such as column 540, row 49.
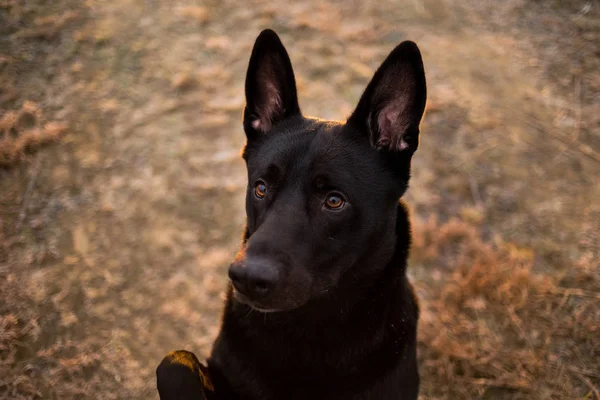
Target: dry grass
column 194, row 13
column 47, row 27
column 64, row 369
column 21, row 133
column 113, row 249
column 493, row 326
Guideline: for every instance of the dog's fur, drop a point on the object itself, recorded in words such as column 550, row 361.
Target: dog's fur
column 336, row 318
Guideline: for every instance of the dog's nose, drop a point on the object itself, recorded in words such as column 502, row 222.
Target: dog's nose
column 254, row 279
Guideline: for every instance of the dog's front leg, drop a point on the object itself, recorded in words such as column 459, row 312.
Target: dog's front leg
column 180, row 376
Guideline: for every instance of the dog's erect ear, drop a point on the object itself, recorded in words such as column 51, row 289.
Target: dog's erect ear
column 270, row 85
column 393, row 103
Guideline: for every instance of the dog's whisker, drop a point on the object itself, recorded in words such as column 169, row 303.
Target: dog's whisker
column 250, row 309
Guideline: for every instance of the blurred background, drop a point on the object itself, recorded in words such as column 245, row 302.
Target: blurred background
column 121, row 185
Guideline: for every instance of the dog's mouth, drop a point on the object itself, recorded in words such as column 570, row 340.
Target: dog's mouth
column 256, row 306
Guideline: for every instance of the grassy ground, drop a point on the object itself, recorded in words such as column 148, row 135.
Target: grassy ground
column 114, row 240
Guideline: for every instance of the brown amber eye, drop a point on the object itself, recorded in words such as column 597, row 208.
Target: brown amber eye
column 260, row 190
column 335, row 201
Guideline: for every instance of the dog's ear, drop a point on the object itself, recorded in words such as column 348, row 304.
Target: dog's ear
column 270, row 85
column 393, row 103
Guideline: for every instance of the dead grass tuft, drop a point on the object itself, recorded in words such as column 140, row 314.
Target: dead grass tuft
column 492, row 326
column 47, row 27
column 196, row 13
column 184, row 81
column 33, row 367
column 21, row 132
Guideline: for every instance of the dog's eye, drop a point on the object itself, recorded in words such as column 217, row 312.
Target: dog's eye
column 335, row 201
column 260, row 189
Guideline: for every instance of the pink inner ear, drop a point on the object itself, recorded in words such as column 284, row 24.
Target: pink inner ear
column 270, row 106
column 393, row 125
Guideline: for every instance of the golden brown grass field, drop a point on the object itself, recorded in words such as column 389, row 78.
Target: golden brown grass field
column 121, row 185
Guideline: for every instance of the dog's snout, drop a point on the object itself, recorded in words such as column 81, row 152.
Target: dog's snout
column 254, row 278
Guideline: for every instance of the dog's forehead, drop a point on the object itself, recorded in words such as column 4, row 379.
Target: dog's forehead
column 308, row 143
column 313, row 147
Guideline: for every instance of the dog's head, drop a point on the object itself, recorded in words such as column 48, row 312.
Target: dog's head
column 322, row 195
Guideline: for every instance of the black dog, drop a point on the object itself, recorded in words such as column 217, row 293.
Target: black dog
column 319, row 305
